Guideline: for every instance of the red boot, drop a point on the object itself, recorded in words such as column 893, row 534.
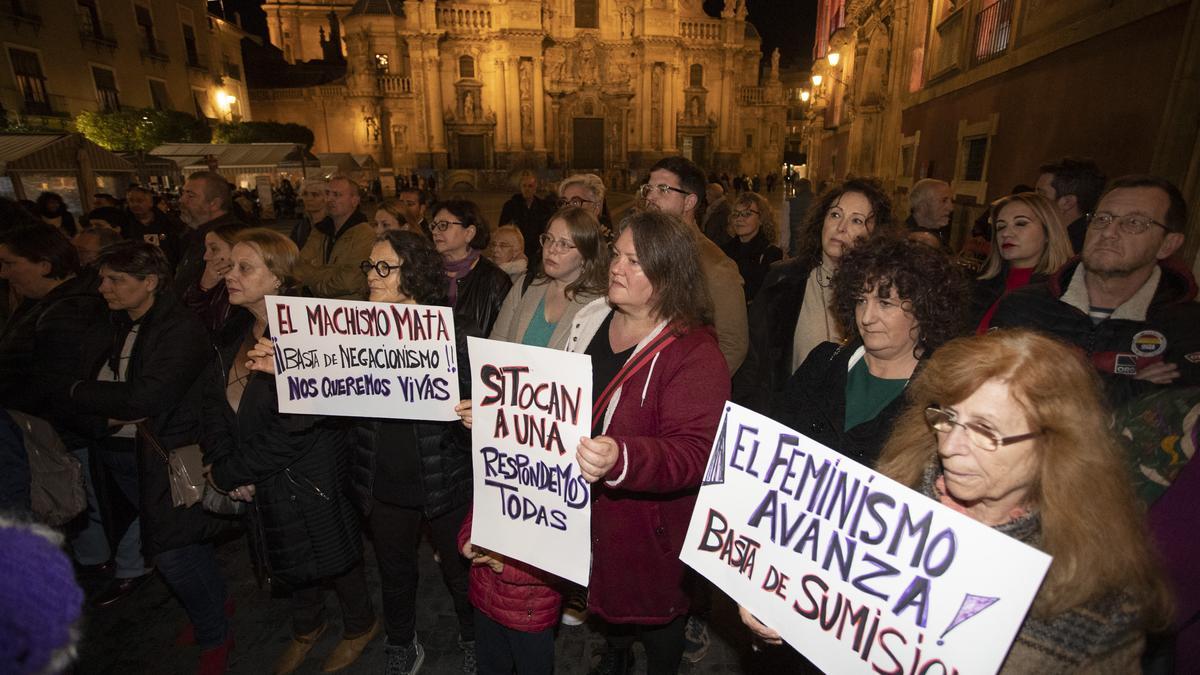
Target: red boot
column 215, row 661
column 187, row 634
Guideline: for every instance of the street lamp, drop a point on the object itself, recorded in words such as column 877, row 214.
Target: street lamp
column 804, row 95
column 817, row 80
column 834, row 57
column 225, row 102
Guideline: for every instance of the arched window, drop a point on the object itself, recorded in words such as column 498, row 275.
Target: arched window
column 466, row 67
column 696, row 75
column 587, row 13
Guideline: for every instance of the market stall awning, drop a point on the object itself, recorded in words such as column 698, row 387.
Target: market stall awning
column 235, row 155
column 56, row 153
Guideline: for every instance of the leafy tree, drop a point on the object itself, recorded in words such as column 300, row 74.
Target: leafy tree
column 142, row 130
column 263, row 132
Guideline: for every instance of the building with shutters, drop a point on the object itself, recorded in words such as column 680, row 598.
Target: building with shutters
column 475, row 90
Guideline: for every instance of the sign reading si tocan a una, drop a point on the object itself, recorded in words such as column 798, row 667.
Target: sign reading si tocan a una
column 364, row 359
column 530, row 406
column 857, row 572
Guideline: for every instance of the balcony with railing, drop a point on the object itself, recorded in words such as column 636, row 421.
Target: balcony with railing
column 757, row 95
column 393, row 84
column 154, row 50
column 993, row 31
column 49, row 105
column 99, row 34
column 464, row 19
column 700, row 30
column 20, row 15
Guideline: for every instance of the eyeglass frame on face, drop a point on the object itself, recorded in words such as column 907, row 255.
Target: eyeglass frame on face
column 936, row 416
column 743, row 213
column 663, row 188
column 382, row 268
column 443, row 225
column 577, row 202
column 1101, row 221
column 549, row 243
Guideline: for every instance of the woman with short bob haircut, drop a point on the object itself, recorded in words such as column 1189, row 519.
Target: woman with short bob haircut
column 476, row 286
column 571, row 272
column 659, row 382
column 1029, row 242
column 1018, row 399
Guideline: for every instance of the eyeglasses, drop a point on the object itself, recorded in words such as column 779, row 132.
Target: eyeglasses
column 662, row 188
column 549, row 243
column 942, row 420
column 443, row 225
column 577, row 202
column 1131, row 224
column 743, row 214
column 381, row 268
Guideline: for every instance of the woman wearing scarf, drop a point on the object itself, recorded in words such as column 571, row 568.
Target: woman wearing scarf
column 476, row 286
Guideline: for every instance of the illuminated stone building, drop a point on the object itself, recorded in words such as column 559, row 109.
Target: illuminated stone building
column 481, row 88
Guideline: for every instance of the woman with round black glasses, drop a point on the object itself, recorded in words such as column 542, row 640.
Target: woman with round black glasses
column 475, row 286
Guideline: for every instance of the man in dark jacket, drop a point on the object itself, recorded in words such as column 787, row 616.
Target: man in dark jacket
column 205, row 203
column 1074, row 185
column 932, row 205
column 151, row 225
column 1124, row 304
column 528, row 212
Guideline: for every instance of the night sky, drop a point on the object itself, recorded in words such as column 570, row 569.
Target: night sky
column 786, row 24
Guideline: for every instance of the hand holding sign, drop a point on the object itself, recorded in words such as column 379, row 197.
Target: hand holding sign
column 262, row 356
column 597, row 456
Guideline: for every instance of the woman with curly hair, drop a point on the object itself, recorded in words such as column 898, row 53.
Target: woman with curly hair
column 899, row 301
column 790, row 315
column 753, row 246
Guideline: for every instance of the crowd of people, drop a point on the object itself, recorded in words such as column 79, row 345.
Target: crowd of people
column 987, row 386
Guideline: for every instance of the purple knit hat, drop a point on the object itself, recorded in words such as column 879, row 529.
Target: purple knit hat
column 39, row 599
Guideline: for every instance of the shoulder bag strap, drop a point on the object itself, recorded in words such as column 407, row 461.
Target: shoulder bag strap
column 632, row 366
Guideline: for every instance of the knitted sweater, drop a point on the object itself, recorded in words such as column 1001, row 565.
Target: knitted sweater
column 1102, row 636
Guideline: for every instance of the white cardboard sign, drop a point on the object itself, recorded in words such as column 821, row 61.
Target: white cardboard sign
column 364, row 359
column 530, row 406
column 854, row 570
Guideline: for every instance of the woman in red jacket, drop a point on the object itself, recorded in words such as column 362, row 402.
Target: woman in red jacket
column 659, row 384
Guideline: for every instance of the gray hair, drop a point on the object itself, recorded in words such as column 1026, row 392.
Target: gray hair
column 591, row 181
column 922, row 190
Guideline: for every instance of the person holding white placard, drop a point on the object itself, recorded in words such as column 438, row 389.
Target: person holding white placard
column 293, row 468
column 660, row 383
column 1010, row 428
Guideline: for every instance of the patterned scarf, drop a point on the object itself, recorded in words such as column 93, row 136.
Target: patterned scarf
column 457, row 270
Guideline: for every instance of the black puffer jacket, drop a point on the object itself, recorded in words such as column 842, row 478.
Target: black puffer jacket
column 772, row 316
column 299, row 465
column 1117, row 347
column 814, row 403
column 481, row 293
column 444, row 447
column 168, row 356
column 39, row 349
column 986, row 292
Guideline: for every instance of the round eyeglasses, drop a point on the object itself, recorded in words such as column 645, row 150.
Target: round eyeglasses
column 549, row 243
column 381, row 268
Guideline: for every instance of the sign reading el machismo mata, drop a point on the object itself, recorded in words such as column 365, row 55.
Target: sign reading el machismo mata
column 857, row 572
column 364, row 359
column 530, row 406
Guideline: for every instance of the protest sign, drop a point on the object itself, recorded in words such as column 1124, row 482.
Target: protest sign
column 857, row 572
column 364, row 359
column 530, row 406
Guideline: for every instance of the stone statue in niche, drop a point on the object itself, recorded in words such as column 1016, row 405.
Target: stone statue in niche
column 775, row 64
column 694, row 107
column 656, row 109
column 556, row 63
column 627, row 22
column 469, row 107
column 589, row 69
column 525, row 81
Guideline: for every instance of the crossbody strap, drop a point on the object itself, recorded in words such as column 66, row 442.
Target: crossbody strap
column 632, row 366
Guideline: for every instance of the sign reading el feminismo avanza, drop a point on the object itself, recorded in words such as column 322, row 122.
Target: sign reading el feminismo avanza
column 364, row 359
column 857, row 572
column 530, row 406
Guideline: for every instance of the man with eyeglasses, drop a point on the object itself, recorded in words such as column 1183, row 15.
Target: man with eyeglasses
column 328, row 264
column 676, row 187
column 529, row 212
column 1124, row 304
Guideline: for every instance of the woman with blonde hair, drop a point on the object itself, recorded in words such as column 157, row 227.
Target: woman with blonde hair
column 572, row 271
column 753, row 246
column 293, row 468
column 1029, row 241
column 1009, row 429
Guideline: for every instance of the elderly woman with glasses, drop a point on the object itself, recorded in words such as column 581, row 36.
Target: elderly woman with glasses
column 573, row 271
column 1009, row 428
column 476, row 286
column 586, row 191
column 753, row 244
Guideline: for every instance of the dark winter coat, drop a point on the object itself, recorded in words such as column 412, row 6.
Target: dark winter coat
column 520, row 597
column 986, row 292
column 190, row 267
column 163, row 231
column 481, row 293
column 40, row 346
column 753, row 258
column 168, row 356
column 444, row 448
column 530, row 219
column 814, row 403
column 1121, row 344
column 297, row 463
column 772, row 315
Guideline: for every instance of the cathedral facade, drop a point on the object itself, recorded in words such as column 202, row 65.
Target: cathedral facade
column 476, row 89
